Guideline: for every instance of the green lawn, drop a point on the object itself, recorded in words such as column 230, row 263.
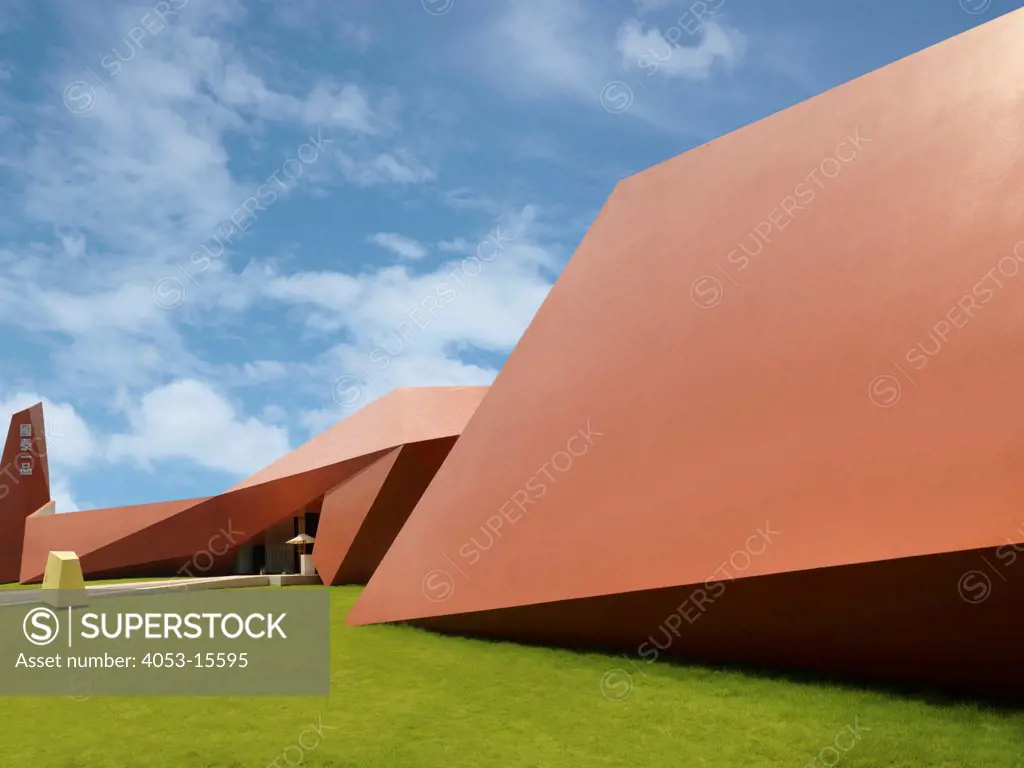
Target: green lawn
column 406, row 698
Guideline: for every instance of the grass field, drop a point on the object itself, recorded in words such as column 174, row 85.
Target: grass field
column 406, row 698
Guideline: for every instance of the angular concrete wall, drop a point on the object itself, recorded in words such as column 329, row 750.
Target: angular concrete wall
column 361, row 517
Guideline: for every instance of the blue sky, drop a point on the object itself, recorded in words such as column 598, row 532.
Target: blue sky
column 226, row 225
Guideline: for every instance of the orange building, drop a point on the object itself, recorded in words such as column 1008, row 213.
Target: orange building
column 350, row 488
column 768, row 413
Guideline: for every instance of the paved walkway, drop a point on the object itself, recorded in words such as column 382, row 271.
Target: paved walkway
column 33, row 594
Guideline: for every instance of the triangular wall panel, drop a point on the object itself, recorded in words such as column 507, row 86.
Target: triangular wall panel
column 413, row 472
column 344, row 511
column 87, row 532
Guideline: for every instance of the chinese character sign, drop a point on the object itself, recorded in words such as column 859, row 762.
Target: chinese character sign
column 26, row 444
column 26, row 430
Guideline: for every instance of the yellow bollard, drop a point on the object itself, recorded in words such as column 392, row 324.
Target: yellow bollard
column 63, row 580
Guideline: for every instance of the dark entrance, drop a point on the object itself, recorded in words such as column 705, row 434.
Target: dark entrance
column 312, row 523
column 259, row 558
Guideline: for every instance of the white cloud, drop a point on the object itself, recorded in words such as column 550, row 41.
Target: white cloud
column 341, row 105
column 186, row 420
column 404, row 327
column 315, row 289
column 104, row 315
column 648, row 6
column 360, row 35
column 69, row 440
column 189, row 420
column 148, row 164
column 481, row 303
column 458, row 245
column 146, row 176
column 260, row 371
column 651, row 51
column 466, row 199
column 401, row 245
column 397, row 167
column 416, row 329
column 60, row 493
column 126, row 308
column 296, row 14
column 421, row 367
column 74, row 246
column 255, row 373
column 274, row 414
column 546, row 47
column 327, row 16
column 569, row 53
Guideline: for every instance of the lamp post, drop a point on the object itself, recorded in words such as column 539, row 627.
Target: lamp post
column 306, row 567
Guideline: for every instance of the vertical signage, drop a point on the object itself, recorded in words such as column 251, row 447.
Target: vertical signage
column 24, row 460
